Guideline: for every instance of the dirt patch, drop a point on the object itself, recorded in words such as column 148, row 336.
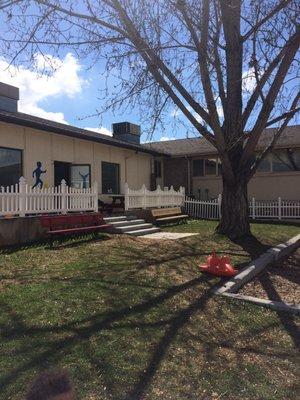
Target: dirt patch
column 278, row 282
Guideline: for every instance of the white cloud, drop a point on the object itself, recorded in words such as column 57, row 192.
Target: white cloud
column 249, row 80
column 101, row 129
column 175, row 113
column 50, row 78
column 166, row 138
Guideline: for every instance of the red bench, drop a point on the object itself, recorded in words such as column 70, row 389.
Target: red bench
column 71, row 224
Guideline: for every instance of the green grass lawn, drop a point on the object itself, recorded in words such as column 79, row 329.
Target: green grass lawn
column 132, row 318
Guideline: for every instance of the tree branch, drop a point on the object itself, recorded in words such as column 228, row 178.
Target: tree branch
column 275, row 10
column 270, row 99
column 285, row 115
column 269, row 148
column 154, row 63
column 261, row 83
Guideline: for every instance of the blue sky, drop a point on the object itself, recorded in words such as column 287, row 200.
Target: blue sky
column 69, row 94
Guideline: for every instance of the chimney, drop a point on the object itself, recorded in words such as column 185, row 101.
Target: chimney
column 127, row 132
column 9, row 96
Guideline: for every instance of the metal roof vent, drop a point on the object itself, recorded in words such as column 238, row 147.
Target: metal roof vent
column 127, row 132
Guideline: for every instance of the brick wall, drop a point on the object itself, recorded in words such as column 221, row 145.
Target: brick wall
column 176, row 172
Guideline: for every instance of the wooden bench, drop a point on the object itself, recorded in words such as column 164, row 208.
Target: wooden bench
column 168, row 215
column 71, row 224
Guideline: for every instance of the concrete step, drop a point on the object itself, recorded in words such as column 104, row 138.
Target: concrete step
column 141, row 232
column 115, row 219
column 131, row 217
column 133, row 227
column 118, row 224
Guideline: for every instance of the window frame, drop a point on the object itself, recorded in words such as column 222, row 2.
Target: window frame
column 203, row 166
column 157, row 162
column 22, row 159
column 216, row 165
column 270, row 157
column 203, row 159
column 118, row 178
column 81, row 165
column 285, row 150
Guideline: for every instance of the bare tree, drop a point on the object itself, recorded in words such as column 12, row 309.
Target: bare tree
column 229, row 66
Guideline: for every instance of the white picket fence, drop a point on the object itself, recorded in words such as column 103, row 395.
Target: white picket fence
column 22, row 199
column 144, row 198
column 258, row 209
column 210, row 209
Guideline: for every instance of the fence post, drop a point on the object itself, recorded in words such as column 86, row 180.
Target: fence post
column 95, row 196
column 219, row 205
column 253, row 208
column 126, row 195
column 63, row 192
column 158, row 197
column 22, row 196
column 144, row 197
column 172, row 195
column 279, row 207
column 182, row 191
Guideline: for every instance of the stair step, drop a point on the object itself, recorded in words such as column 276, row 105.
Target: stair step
column 115, row 219
column 131, row 217
column 142, row 232
column 133, row 227
column 120, row 224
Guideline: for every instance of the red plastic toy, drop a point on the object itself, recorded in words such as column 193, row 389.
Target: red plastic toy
column 219, row 266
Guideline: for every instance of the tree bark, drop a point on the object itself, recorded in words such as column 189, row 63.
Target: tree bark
column 234, row 220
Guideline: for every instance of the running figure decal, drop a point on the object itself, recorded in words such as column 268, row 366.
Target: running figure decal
column 37, row 173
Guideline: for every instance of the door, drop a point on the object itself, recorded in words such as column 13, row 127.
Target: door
column 61, row 171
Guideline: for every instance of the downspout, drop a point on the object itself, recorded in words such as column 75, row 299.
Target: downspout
column 188, row 175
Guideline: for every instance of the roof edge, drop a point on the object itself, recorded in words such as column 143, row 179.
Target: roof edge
column 23, row 119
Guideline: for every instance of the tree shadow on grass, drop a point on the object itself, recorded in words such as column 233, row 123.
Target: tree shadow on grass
column 85, row 328
column 66, row 336
column 65, row 242
column 160, row 253
column 252, row 246
column 287, row 320
column 255, row 248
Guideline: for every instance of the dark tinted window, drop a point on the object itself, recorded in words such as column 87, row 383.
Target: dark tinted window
column 264, row 165
column 286, row 160
column 110, row 178
column 198, row 167
column 10, row 166
column 157, row 169
column 210, row 166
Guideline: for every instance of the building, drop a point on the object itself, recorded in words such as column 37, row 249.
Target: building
column 40, row 149
column 194, row 164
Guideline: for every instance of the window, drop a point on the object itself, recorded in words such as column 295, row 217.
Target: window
column 206, row 166
column 286, row 160
column 198, row 167
column 157, row 168
column 211, row 166
column 110, row 178
column 80, row 176
column 10, row 166
column 264, row 165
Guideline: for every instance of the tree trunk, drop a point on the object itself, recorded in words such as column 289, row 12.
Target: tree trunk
column 234, row 210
